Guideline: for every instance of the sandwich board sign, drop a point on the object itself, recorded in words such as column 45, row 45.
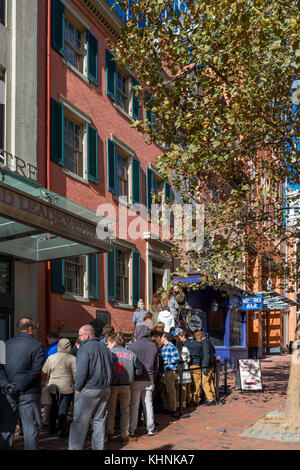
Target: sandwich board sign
column 250, row 375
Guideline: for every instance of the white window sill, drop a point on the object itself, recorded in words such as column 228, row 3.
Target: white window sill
column 76, row 177
column 123, row 112
column 75, row 70
column 127, row 306
column 77, row 298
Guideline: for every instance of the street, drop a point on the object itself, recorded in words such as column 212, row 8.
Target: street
column 211, row 428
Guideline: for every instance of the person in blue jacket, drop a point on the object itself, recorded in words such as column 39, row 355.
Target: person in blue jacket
column 53, row 340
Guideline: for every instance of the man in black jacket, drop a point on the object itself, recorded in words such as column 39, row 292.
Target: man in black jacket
column 195, row 349
column 20, row 391
column 208, row 365
column 92, row 390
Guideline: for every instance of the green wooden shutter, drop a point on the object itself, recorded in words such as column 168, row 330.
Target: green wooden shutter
column 58, row 26
column 58, row 276
column 136, row 278
column 92, row 269
column 92, row 58
column 92, row 154
column 111, row 274
column 136, row 114
column 149, row 187
column 111, row 166
column 136, row 180
column 148, row 107
column 110, row 75
column 168, row 191
column 57, row 133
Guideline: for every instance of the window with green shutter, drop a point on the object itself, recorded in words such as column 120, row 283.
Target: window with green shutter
column 92, row 58
column 58, row 26
column 149, row 188
column 136, row 180
column 111, row 166
column 136, row 110
column 57, row 132
column 110, row 75
column 111, row 274
column 58, row 276
column 136, row 277
column 92, row 278
column 168, row 192
column 92, row 154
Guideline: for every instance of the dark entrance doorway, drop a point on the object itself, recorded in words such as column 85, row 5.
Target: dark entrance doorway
column 6, row 298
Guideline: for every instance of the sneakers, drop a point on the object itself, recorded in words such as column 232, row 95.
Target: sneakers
column 210, row 403
column 153, row 432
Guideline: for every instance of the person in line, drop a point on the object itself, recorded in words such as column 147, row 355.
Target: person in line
column 166, row 317
column 126, row 367
column 92, row 390
column 148, row 320
column 173, row 306
column 195, row 349
column 139, row 314
column 208, row 366
column 20, row 380
column 180, row 298
column 171, row 359
column 186, row 359
column 143, row 387
column 52, row 340
column 106, row 332
column 60, row 372
column 155, row 307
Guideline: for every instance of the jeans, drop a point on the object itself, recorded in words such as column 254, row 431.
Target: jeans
column 29, row 409
column 89, row 404
column 60, row 407
column 142, row 390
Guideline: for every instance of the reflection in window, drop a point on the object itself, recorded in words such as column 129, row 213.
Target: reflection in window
column 123, row 276
column 216, row 330
column 74, row 46
column 122, row 176
column 74, row 147
column 2, row 11
column 74, row 275
column 235, row 328
column 122, row 95
column 5, row 277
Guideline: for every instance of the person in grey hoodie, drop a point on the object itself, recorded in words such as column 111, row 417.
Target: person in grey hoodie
column 92, row 390
column 126, row 367
column 143, row 387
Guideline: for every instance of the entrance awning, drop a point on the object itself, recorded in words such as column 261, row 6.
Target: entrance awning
column 38, row 225
column 273, row 300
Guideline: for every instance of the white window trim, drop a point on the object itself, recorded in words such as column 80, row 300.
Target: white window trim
column 129, row 153
column 74, row 110
column 84, row 297
column 82, row 122
column 76, row 14
column 121, row 247
column 85, row 26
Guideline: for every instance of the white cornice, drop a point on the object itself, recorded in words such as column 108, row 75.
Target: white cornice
column 101, row 10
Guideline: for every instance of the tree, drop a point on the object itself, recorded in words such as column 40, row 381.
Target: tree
column 216, row 79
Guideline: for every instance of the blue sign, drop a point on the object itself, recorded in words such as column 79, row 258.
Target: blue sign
column 252, row 303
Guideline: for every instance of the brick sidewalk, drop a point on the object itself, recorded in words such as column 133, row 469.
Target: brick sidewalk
column 212, row 428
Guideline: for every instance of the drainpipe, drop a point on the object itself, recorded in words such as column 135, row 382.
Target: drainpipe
column 48, row 263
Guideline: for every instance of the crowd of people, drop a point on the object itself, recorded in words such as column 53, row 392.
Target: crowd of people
column 105, row 378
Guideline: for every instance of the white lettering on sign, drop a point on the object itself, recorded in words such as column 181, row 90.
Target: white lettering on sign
column 18, row 165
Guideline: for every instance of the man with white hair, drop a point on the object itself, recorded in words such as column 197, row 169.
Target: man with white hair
column 92, row 390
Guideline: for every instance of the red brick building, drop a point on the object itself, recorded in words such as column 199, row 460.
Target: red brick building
column 89, row 154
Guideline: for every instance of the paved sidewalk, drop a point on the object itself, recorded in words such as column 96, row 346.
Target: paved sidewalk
column 212, row 428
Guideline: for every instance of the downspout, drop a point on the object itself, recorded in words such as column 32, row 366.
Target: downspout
column 48, row 263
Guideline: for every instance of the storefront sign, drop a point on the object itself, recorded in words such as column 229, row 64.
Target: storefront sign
column 250, row 375
column 50, row 214
column 18, row 165
column 252, row 303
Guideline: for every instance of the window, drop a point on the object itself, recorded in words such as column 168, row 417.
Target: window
column 120, row 87
column 5, row 277
column 235, row 328
column 74, row 142
column 122, row 176
column 2, row 11
column 122, row 277
column 74, row 275
column 122, row 91
column 2, row 109
column 74, row 45
column 216, row 330
column 74, row 147
column 123, row 172
column 157, row 189
column 72, row 39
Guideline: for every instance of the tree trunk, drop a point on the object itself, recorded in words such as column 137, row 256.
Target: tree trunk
column 292, row 410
